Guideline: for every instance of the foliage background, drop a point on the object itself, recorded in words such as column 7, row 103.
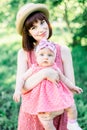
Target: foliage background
column 69, row 22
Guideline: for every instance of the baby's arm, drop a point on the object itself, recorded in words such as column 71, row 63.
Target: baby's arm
column 69, row 84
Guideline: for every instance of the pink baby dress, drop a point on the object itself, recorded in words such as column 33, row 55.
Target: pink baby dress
column 47, row 96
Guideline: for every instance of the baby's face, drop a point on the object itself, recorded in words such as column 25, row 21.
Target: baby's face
column 45, row 57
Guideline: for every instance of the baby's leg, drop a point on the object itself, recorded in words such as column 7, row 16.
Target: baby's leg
column 72, row 118
column 46, row 121
column 50, row 115
column 72, row 112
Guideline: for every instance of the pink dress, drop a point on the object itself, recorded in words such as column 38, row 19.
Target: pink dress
column 47, row 96
column 27, row 121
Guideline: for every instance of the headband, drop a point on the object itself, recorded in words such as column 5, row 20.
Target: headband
column 46, row 44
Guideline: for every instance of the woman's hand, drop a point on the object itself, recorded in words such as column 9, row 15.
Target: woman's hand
column 51, row 75
column 16, row 96
column 76, row 89
column 47, row 73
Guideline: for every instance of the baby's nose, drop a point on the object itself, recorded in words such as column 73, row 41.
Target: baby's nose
column 45, row 57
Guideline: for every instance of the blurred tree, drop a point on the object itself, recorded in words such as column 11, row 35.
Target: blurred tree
column 74, row 13
column 81, row 32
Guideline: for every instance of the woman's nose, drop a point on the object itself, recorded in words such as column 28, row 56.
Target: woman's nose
column 40, row 29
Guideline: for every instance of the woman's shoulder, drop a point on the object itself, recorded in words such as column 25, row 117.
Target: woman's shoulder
column 65, row 52
column 22, row 53
column 64, row 48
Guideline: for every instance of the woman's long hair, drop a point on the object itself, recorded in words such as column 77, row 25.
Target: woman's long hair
column 27, row 40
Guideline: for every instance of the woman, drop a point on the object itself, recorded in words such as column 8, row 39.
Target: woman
column 32, row 23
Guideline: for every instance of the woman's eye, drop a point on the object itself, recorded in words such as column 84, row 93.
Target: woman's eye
column 43, row 21
column 32, row 28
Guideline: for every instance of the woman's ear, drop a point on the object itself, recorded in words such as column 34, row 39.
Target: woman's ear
column 29, row 34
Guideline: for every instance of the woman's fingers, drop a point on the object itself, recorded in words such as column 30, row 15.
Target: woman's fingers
column 52, row 75
column 77, row 90
column 16, row 97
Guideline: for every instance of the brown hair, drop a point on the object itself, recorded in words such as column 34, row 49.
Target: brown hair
column 27, row 40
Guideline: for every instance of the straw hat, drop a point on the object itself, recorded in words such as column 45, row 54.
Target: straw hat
column 25, row 11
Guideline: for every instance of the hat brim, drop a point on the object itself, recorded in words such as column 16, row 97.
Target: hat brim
column 25, row 11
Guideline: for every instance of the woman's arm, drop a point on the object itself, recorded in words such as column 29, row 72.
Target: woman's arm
column 36, row 78
column 69, row 84
column 21, row 69
column 47, row 73
column 67, row 63
column 68, row 66
column 22, row 74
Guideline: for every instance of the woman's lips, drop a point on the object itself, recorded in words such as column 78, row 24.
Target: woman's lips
column 42, row 34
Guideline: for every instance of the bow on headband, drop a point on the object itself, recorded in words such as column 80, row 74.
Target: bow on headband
column 46, row 44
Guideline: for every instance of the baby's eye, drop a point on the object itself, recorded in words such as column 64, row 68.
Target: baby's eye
column 49, row 55
column 41, row 54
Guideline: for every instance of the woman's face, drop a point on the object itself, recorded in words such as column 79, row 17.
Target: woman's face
column 39, row 30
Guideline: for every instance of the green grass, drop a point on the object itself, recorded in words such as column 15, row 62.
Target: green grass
column 8, row 62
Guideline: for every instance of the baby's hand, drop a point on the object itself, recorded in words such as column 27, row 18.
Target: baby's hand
column 77, row 89
column 16, row 96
